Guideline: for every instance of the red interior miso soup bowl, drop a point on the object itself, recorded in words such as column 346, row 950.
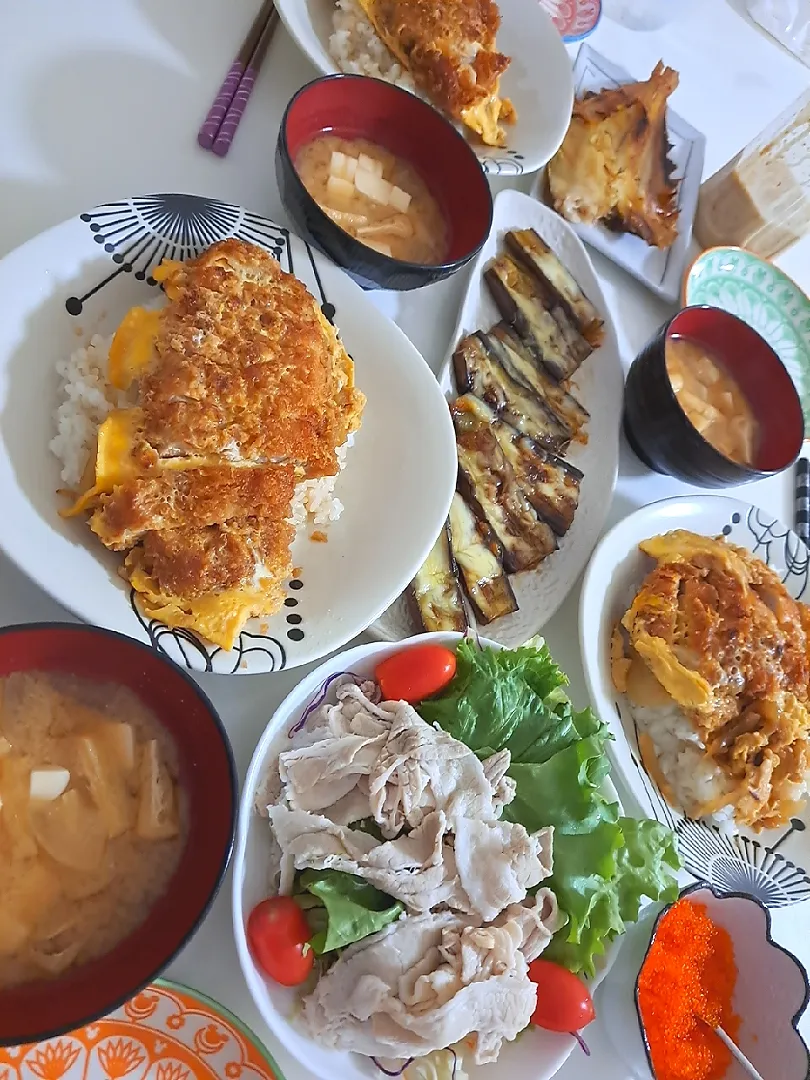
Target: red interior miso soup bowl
column 357, row 107
column 661, row 434
column 207, row 776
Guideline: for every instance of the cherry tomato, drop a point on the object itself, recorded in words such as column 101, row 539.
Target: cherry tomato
column 415, row 674
column 278, row 933
column 563, row 1000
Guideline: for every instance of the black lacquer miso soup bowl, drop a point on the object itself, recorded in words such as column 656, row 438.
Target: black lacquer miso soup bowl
column 659, row 429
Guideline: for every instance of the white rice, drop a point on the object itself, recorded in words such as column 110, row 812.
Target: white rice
column 356, row 48
column 694, row 778
column 85, row 400
column 315, row 499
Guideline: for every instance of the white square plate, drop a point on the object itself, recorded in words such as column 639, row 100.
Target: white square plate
column 659, row 270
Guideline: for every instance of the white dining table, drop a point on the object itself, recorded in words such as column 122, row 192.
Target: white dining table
column 103, row 98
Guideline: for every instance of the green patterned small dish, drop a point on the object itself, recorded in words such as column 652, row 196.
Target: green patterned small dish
column 765, row 298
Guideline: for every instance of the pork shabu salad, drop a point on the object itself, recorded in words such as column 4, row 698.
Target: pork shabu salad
column 437, row 829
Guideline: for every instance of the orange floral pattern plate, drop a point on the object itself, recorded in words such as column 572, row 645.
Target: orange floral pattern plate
column 167, row 1032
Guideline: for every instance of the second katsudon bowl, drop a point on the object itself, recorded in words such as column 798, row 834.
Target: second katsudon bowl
column 81, row 316
column 381, row 183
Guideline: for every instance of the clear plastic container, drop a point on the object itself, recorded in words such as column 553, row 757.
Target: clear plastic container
column 760, row 200
column 647, row 14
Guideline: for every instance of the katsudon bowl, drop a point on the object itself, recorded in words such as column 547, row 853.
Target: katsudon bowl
column 206, row 782
column 352, row 107
column 68, row 292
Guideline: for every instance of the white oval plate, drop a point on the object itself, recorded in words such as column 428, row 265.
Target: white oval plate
column 748, row 863
column 79, row 279
column 536, row 1055
column 539, row 81
column 599, row 385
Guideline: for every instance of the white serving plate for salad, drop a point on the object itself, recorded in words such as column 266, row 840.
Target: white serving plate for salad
column 534, row 1055
column 79, row 279
column 771, row 866
column 539, row 80
column 599, row 385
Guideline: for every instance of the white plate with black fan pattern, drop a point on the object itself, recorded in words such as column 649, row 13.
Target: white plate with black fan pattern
column 79, row 279
column 770, row 865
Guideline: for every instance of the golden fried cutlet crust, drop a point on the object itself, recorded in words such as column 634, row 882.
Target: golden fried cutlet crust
column 197, row 562
column 436, row 38
column 246, row 365
column 713, row 613
column 192, row 499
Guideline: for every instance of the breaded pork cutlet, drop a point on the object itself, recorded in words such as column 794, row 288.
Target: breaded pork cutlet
column 191, row 499
column 214, row 578
column 197, row 562
column 247, row 367
column 241, row 390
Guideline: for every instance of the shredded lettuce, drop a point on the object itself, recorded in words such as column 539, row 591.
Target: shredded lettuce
column 341, row 908
column 603, row 864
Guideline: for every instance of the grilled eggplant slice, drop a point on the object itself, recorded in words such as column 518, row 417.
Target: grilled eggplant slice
column 489, row 483
column 550, row 484
column 476, row 553
column 535, row 254
column 479, row 371
column 436, row 589
column 520, row 300
column 576, row 343
column 519, row 362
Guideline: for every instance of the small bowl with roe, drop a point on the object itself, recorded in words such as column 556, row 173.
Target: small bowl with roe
column 710, row 954
column 708, row 401
column 119, row 792
column 380, row 182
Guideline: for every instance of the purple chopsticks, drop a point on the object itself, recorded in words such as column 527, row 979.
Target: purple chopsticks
column 223, row 118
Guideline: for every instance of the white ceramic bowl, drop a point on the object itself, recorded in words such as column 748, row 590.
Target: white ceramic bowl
column 79, row 279
column 537, row 1055
column 771, row 866
column 539, row 80
column 770, row 996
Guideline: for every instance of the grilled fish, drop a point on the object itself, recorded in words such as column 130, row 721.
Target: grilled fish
column 513, row 355
column 477, row 556
column 490, row 485
column 521, row 302
column 478, row 371
column 436, row 589
column 535, row 254
column 613, row 165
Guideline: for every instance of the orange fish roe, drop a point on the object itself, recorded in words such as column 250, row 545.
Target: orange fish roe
column 688, row 977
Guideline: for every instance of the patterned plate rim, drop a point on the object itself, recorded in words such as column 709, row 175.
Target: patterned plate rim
column 217, row 1007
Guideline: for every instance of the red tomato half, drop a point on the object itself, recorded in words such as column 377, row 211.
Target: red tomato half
column 278, row 932
column 417, row 673
column 563, row 1000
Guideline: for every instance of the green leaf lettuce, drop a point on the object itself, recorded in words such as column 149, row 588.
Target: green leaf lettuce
column 341, row 908
column 603, row 864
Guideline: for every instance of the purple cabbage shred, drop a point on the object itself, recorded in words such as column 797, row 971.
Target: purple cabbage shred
column 582, row 1043
column 399, row 1072
column 455, row 1062
column 319, row 699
